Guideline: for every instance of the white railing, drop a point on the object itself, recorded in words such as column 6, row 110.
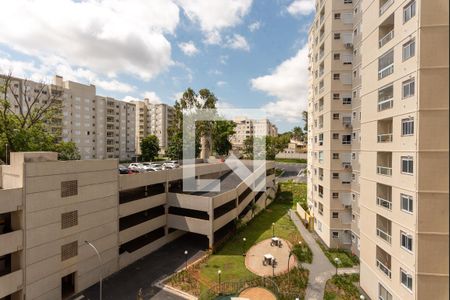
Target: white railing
column 383, row 268
column 386, row 71
column 385, row 39
column 385, row 138
column 385, row 104
column 385, row 6
column 384, row 235
column 384, row 203
column 384, row 170
column 321, row 54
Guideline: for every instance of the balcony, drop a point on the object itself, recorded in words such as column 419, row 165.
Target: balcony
column 383, row 261
column 384, row 5
column 384, row 228
column 386, row 71
column 385, row 39
column 386, row 98
column 384, row 128
column 384, row 138
column 386, row 64
column 384, row 163
column 384, row 203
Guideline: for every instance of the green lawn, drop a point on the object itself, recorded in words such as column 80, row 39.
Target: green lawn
column 342, row 287
column 294, row 192
column 347, row 259
column 229, row 258
column 292, row 160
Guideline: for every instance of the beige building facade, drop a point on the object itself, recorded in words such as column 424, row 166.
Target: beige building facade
column 399, row 146
column 49, row 208
column 246, row 127
column 101, row 127
column 154, row 119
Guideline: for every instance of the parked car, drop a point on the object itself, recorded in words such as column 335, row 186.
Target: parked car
column 123, row 169
column 156, row 167
column 137, row 167
column 173, row 164
column 148, row 167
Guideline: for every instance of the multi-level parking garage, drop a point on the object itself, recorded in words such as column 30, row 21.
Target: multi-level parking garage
column 49, row 208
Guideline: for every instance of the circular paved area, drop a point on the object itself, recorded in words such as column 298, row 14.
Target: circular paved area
column 254, row 258
column 257, row 293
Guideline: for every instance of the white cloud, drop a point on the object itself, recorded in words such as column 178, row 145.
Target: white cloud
column 288, row 84
column 223, row 59
column 254, row 26
column 152, row 97
column 237, row 42
column 221, row 83
column 108, row 37
column 188, row 48
column 301, row 7
column 215, row 15
column 131, row 99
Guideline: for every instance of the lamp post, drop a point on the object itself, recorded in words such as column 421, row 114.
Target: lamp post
column 243, row 245
column 186, row 258
column 337, row 261
column 362, row 297
column 219, row 272
column 6, row 153
column 101, row 264
column 273, row 268
column 273, row 229
column 301, row 251
column 289, row 277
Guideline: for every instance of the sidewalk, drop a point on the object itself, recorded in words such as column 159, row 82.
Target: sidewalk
column 321, row 269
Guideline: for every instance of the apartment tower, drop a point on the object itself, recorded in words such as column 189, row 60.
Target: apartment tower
column 399, row 146
column 246, row 127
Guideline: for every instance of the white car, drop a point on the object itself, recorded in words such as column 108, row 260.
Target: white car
column 138, row 167
column 173, row 164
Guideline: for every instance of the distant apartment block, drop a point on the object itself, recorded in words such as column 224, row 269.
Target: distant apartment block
column 153, row 119
column 101, row 127
column 49, row 208
column 379, row 148
column 247, row 127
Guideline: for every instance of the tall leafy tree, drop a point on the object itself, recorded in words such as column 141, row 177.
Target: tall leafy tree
column 297, row 133
column 305, row 120
column 67, row 151
column 149, row 147
column 221, row 133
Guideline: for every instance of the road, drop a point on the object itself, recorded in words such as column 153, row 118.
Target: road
column 144, row 273
column 291, row 171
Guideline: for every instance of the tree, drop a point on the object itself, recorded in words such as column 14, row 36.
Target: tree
column 272, row 146
column 149, row 147
column 297, row 133
column 221, row 133
column 29, row 116
column 305, row 121
column 67, row 151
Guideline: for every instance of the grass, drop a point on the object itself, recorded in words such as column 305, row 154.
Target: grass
column 229, row 258
column 347, row 259
column 292, row 160
column 295, row 192
column 342, row 287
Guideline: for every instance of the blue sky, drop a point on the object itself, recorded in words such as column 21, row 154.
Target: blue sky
column 251, row 54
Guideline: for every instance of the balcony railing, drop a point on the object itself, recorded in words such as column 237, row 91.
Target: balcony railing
column 320, row 109
column 384, row 170
column 385, row 6
column 383, row 268
column 386, row 71
column 385, row 104
column 384, row 203
column 385, row 39
column 385, row 138
column 384, row 235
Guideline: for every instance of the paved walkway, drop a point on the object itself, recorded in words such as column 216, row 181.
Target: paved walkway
column 321, row 269
column 254, row 258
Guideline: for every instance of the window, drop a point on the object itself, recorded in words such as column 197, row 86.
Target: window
column 335, row 136
column 348, row 1
column 335, row 175
column 335, row 155
column 353, row 155
column 336, row 56
column 409, row 11
column 406, row 241
column 407, row 126
column 406, row 203
column 335, row 195
column 337, row 16
column 335, row 215
column 409, row 49
column 337, row 36
column 69, row 219
column 69, row 188
column 336, row 116
column 407, row 164
column 335, row 234
column 320, row 208
column 383, row 294
column 347, row 100
column 406, row 279
column 69, row 250
column 336, row 96
column 408, row 88
column 346, row 139
column 336, row 76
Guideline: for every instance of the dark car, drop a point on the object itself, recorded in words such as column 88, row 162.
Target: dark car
column 123, row 170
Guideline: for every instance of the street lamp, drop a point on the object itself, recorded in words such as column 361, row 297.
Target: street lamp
column 289, row 277
column 337, row 261
column 6, row 153
column 243, row 246
column 362, row 297
column 101, row 264
column 273, row 229
column 186, row 258
column 273, row 268
column 218, row 273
